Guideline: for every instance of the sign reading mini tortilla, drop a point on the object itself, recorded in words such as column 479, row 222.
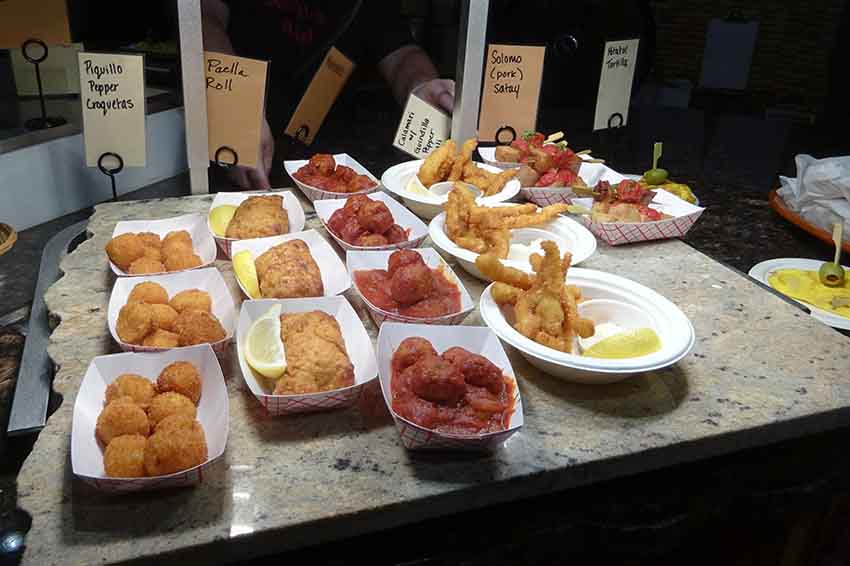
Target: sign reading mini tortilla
column 236, row 99
column 45, row 20
column 112, row 93
column 423, row 128
column 320, row 96
column 615, row 84
column 512, row 79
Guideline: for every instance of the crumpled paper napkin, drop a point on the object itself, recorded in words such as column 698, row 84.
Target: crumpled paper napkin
column 820, row 192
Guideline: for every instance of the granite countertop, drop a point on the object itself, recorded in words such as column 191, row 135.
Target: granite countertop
column 761, row 371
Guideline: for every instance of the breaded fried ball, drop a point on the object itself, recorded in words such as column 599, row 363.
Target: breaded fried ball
column 150, row 239
column 148, row 292
column 180, row 260
column 168, row 404
column 135, row 321
column 145, row 265
column 138, row 388
column 125, row 456
column 125, row 249
column 191, row 299
column 164, row 317
column 175, row 422
column 198, row 327
column 181, row 377
column 153, row 253
column 175, row 448
column 160, row 338
column 119, row 418
column 177, row 236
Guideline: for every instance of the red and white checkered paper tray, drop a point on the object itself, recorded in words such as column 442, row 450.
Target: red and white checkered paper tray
column 356, row 261
column 403, row 217
column 315, row 193
column 208, row 279
column 684, row 215
column 334, row 276
column 476, row 339
column 213, row 414
column 590, row 173
column 293, row 209
column 195, row 224
column 357, row 344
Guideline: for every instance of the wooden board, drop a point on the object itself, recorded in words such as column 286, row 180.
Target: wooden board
column 777, row 204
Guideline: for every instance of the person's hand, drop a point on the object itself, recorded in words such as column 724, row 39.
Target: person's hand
column 258, row 178
column 438, row 92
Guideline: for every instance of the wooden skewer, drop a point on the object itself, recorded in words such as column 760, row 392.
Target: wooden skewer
column 837, row 230
column 593, row 161
column 554, row 137
column 583, row 152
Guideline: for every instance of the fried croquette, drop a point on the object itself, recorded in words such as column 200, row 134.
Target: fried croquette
column 125, row 456
column 175, row 449
column 181, row 377
column 177, row 236
column 289, row 270
column 145, row 265
column 153, row 253
column 125, row 249
column 161, row 338
column 164, row 317
column 176, row 422
column 191, row 299
column 138, row 388
column 180, row 259
column 168, row 404
column 150, row 239
column 198, row 327
column 121, row 417
column 259, row 217
column 148, row 292
column 135, row 321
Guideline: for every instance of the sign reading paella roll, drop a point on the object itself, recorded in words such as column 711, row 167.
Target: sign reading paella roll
column 512, row 78
column 615, row 84
column 112, row 93
column 236, row 98
column 423, row 128
column 45, row 20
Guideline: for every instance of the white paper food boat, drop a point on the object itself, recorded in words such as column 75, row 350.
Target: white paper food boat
column 475, row 339
column 357, row 344
column 356, row 261
column 293, row 208
column 208, row 279
column 213, row 414
column 402, row 216
column 202, row 240
column 334, row 276
column 315, row 193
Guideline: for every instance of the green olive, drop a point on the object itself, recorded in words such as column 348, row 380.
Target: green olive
column 655, row 176
column 831, row 274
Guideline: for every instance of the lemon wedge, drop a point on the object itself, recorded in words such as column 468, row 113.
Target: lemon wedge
column 220, row 217
column 246, row 272
column 628, row 344
column 264, row 350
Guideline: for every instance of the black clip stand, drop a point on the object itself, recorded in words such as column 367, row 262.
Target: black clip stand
column 500, row 131
column 111, row 171
column 45, row 121
column 224, row 164
column 613, row 137
column 289, row 141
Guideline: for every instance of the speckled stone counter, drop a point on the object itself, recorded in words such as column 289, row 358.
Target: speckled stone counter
column 761, row 371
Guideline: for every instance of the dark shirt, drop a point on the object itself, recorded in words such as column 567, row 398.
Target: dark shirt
column 295, row 35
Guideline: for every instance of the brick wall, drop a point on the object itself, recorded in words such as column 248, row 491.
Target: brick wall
column 791, row 58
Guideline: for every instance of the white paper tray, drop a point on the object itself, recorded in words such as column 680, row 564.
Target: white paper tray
column 315, row 193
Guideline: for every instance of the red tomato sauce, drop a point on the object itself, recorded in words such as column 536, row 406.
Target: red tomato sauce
column 444, row 298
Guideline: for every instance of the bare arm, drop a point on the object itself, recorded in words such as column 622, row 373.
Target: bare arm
column 215, row 16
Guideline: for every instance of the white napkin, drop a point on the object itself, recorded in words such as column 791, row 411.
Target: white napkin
column 821, row 191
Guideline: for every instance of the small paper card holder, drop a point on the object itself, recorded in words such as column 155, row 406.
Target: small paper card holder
column 35, row 52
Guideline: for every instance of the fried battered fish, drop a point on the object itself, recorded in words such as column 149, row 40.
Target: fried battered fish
column 288, row 270
column 259, row 217
column 315, row 354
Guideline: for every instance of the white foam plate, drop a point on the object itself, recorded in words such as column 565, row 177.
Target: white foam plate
column 315, row 193
column 357, row 344
column 213, row 414
column 402, row 216
column 334, row 276
column 761, row 272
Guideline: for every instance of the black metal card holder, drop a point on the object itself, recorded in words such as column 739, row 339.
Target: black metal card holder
column 613, row 138
column 505, row 130
column 35, row 52
column 111, row 171
column 226, row 164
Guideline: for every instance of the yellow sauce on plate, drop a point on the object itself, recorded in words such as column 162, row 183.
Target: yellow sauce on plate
column 806, row 287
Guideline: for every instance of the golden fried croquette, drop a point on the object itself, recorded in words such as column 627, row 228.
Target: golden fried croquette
column 191, row 299
column 150, row 239
column 161, row 338
column 140, row 389
column 177, row 236
column 289, row 270
column 145, row 265
column 164, row 317
column 121, row 417
column 153, row 253
column 135, row 320
column 148, row 292
column 168, row 404
column 175, row 446
column 198, row 327
column 125, row 456
column 259, row 217
column 181, row 377
column 125, row 249
column 180, row 259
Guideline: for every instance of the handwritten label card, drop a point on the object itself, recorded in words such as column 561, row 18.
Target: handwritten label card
column 615, row 83
column 45, row 20
column 236, row 98
column 512, row 79
column 423, row 128
column 320, row 95
column 112, row 93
